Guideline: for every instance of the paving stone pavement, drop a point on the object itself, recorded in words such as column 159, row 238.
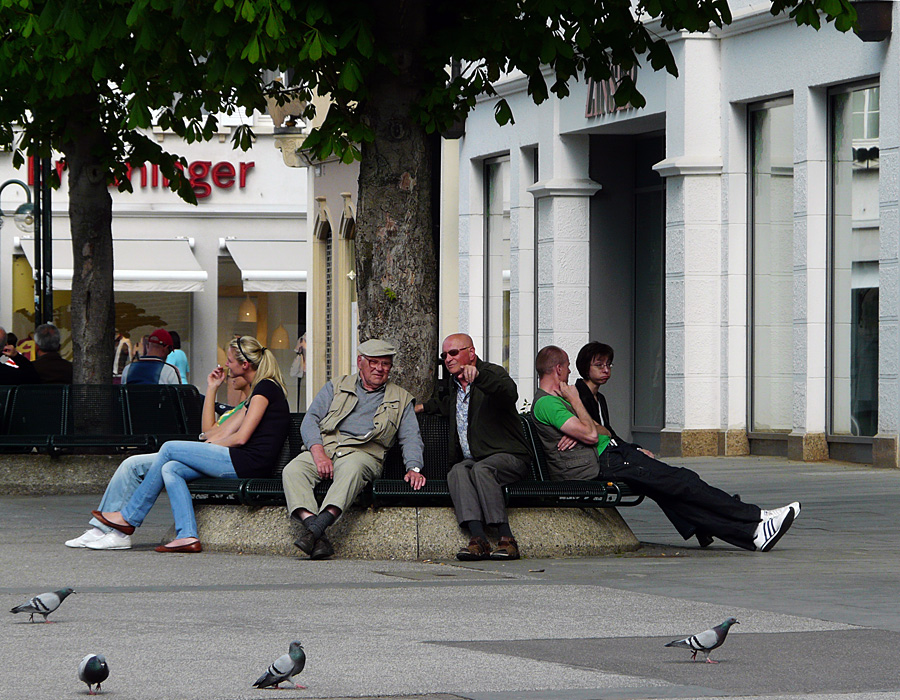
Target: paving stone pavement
column 819, row 614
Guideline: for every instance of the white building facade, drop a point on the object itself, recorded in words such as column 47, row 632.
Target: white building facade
column 737, row 241
column 236, row 263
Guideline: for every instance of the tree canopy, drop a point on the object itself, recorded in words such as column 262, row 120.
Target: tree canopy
column 88, row 79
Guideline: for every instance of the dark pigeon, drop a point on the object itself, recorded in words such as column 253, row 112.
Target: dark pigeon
column 93, row 670
column 43, row 604
column 284, row 668
column 706, row 641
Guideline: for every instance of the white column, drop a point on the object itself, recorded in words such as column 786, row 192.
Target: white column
column 694, row 248
column 885, row 450
column 563, row 245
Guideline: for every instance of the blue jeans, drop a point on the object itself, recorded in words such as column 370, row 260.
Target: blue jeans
column 177, row 463
column 124, row 482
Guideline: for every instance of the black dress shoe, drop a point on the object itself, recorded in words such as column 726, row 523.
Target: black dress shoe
column 306, row 540
column 323, row 549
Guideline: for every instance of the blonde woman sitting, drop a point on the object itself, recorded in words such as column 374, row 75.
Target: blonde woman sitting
column 250, row 451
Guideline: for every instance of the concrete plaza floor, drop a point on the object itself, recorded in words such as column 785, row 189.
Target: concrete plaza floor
column 819, row 614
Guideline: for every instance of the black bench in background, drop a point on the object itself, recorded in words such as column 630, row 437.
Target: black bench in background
column 80, row 418
column 392, row 490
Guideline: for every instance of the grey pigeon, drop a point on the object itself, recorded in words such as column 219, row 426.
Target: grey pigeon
column 284, row 668
column 93, row 671
column 705, row 642
column 43, row 604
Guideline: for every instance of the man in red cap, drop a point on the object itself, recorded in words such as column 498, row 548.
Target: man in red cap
column 152, row 368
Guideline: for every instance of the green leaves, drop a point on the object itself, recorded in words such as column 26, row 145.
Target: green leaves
column 503, row 114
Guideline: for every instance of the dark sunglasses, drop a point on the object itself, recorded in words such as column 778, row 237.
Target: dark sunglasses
column 454, row 352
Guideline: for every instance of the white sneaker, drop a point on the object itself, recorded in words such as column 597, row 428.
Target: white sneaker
column 91, row 535
column 770, row 530
column 766, row 514
column 111, row 540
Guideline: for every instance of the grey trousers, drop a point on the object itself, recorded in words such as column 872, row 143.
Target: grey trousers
column 476, row 487
column 352, row 471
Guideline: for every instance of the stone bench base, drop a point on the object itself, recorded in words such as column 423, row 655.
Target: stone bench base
column 42, row 475
column 415, row 533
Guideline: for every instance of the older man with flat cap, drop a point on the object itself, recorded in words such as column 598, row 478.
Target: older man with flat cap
column 348, row 428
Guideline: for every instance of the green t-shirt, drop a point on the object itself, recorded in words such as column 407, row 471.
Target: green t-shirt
column 555, row 410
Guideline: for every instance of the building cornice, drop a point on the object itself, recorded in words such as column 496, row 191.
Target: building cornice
column 564, row 187
column 689, row 165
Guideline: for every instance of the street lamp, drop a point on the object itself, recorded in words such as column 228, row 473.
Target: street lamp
column 24, row 216
column 37, row 218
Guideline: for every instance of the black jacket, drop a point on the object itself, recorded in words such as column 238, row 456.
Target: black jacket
column 494, row 423
column 596, row 407
column 23, row 374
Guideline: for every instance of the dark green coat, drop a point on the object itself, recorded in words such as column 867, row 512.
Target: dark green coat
column 494, row 423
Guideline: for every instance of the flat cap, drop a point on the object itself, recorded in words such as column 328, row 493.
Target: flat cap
column 376, row 347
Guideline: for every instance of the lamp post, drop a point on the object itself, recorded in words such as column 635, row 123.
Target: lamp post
column 43, row 242
column 24, row 216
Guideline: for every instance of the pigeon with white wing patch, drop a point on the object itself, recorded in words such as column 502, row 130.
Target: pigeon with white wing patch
column 93, row 670
column 284, row 668
column 706, row 641
column 43, row 604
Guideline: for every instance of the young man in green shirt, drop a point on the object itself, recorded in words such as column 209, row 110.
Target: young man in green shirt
column 578, row 447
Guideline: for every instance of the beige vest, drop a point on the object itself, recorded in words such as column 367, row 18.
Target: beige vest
column 387, row 419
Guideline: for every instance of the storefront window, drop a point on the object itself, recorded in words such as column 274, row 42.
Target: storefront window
column 772, row 238
column 278, row 321
column 854, row 261
column 497, row 274
column 137, row 315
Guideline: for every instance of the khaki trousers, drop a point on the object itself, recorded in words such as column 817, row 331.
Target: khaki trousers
column 352, row 471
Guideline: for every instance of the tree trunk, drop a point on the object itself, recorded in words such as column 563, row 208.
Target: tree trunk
column 90, row 215
column 395, row 252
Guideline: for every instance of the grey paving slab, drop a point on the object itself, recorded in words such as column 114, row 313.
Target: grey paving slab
column 205, row 626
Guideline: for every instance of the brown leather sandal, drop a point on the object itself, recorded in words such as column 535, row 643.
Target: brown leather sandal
column 478, row 549
column 507, row 548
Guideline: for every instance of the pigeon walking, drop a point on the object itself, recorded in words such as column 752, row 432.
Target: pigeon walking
column 93, row 670
column 284, row 668
column 706, row 641
column 43, row 604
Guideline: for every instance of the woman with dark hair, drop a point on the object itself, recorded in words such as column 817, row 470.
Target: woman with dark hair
column 251, row 451
column 693, row 506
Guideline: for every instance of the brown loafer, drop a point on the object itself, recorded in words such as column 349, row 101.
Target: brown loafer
column 124, row 529
column 506, row 549
column 192, row 548
column 477, row 550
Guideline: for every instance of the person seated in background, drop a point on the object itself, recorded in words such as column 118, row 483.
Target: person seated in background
column 152, row 368
column 178, row 358
column 50, row 366
column 132, row 471
column 578, row 447
column 15, row 368
column 249, row 452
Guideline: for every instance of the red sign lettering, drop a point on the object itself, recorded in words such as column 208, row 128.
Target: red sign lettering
column 200, row 172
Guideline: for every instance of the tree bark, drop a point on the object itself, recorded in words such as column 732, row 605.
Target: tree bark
column 395, row 252
column 90, row 215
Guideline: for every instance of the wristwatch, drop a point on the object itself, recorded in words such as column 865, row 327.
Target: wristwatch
column 417, row 470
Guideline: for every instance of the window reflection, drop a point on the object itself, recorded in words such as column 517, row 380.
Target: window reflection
column 854, row 259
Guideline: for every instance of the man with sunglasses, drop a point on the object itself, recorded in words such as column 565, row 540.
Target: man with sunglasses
column 489, row 446
column 348, row 428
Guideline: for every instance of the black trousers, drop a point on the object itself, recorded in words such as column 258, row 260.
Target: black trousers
column 690, row 504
